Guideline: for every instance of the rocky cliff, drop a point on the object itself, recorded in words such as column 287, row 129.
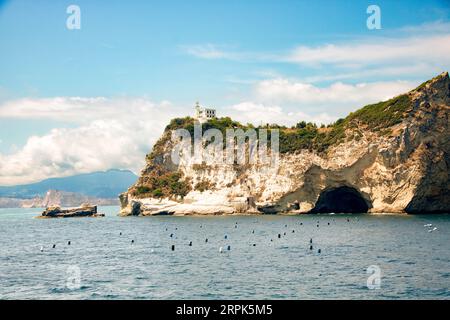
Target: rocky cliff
column 389, row 157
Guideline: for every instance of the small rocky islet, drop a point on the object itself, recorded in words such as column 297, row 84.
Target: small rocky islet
column 86, row 210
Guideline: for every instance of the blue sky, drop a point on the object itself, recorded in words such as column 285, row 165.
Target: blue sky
column 150, row 60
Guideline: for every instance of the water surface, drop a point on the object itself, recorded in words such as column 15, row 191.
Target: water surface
column 414, row 263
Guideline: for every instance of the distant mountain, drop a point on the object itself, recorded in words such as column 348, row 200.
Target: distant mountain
column 103, row 184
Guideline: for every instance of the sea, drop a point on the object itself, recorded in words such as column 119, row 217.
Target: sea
column 328, row 256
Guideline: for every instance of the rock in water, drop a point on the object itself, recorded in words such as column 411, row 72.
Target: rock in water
column 84, row 211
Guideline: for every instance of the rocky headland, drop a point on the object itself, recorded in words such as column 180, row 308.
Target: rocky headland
column 388, row 157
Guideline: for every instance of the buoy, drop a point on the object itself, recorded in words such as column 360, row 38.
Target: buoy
column 206, row 240
column 310, row 247
column 132, row 241
column 229, row 248
column 120, row 234
column 171, row 235
column 68, row 243
column 201, row 226
column 173, row 247
column 319, row 251
column 317, row 226
column 310, row 240
column 226, row 237
column 271, row 240
column 220, row 249
column 235, row 226
column 284, row 233
column 328, row 223
column 285, row 225
column 279, row 236
column 253, row 231
column 190, row 244
column 301, row 223
column 42, row 249
column 54, row 246
column 254, row 244
column 293, row 231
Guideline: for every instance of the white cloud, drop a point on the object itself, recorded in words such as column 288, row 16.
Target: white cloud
column 412, row 51
column 376, row 51
column 111, row 134
column 283, row 90
column 259, row 113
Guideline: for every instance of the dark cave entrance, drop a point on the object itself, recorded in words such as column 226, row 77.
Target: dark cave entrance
column 340, row 200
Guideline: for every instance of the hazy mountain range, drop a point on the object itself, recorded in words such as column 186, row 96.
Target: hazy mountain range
column 97, row 188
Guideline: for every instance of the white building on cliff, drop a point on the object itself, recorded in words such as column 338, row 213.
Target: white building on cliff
column 204, row 114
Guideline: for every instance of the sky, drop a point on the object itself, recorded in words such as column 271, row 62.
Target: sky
column 82, row 100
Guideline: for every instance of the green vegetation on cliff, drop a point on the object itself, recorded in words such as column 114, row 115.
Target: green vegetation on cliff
column 376, row 117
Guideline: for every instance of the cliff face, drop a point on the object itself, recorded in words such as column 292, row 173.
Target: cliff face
column 393, row 156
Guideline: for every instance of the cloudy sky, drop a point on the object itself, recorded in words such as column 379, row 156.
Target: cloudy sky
column 75, row 101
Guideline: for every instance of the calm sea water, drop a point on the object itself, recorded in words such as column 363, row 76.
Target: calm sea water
column 101, row 263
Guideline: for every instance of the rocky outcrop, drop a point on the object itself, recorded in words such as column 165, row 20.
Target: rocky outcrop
column 390, row 157
column 85, row 210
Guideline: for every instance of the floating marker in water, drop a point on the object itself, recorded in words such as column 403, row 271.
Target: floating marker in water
column 42, row 249
column 293, row 231
column 284, row 233
column 68, row 243
column 310, row 240
column 253, row 231
column 206, row 240
column 271, row 240
column 132, row 241
column 171, row 235
column 279, row 236
column 310, row 247
column 285, row 225
column 235, row 226
column 319, row 251
column 301, row 223
column 173, row 247
column 190, row 244
column 220, row 249
column 254, row 244
column 328, row 223
column 226, row 237
column 229, row 248
column 54, row 246
column 120, row 234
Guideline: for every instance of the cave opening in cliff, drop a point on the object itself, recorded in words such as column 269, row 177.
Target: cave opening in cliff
column 341, row 200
